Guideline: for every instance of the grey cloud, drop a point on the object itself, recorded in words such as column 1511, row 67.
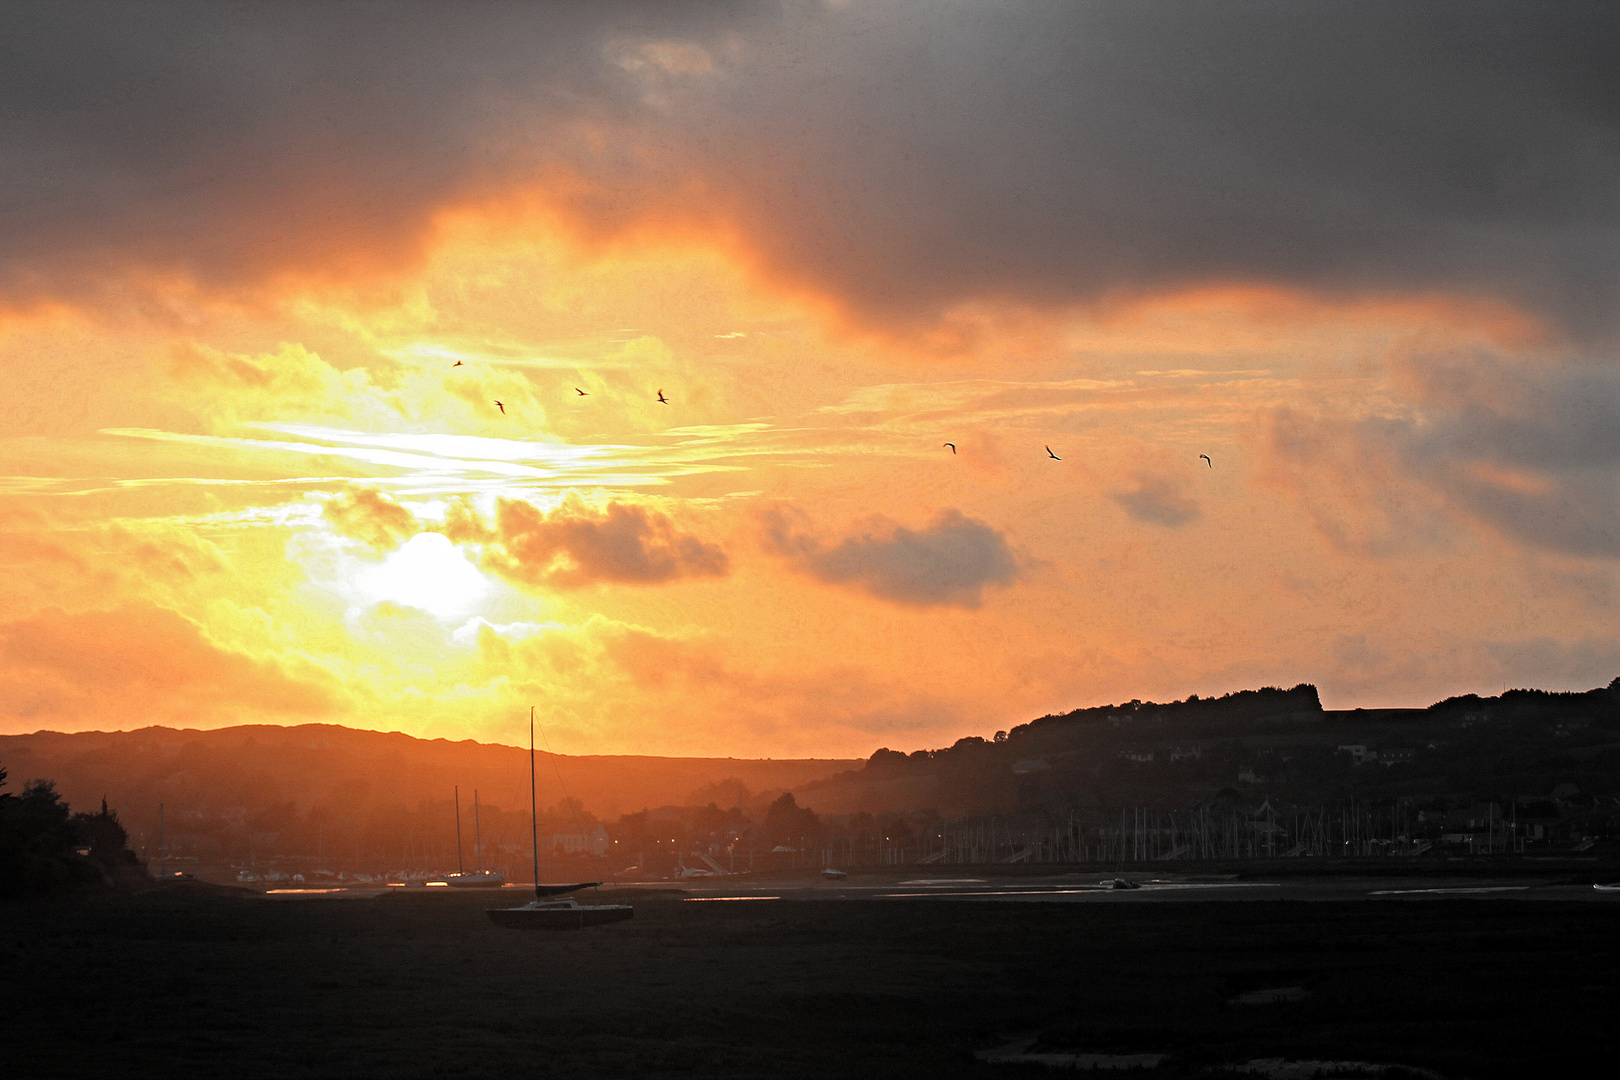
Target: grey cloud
column 901, row 156
column 233, row 140
column 1527, row 447
column 949, row 562
column 573, row 546
column 1158, row 501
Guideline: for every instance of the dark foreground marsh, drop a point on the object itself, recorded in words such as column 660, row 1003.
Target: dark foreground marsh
column 420, row 986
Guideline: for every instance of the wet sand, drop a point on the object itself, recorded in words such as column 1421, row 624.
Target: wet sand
column 863, row 977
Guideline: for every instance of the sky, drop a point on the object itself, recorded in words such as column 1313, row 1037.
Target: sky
column 946, row 302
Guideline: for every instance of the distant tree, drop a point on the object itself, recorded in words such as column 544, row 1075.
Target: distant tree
column 723, row 793
column 107, row 843
column 40, row 841
column 886, row 761
column 37, row 842
column 632, row 831
column 786, row 820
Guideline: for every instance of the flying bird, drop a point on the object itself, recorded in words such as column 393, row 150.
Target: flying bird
column 1206, row 458
column 456, row 364
column 662, row 399
column 1051, row 455
column 580, row 392
column 501, row 407
column 952, row 446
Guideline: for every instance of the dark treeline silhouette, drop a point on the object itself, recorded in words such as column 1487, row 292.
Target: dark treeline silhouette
column 47, row 848
column 270, row 803
column 1248, row 747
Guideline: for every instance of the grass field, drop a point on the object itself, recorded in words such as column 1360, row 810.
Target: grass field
column 414, row 985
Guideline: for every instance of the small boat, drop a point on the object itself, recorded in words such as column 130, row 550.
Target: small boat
column 564, row 914
column 545, row 911
column 833, row 875
column 477, row 879
column 1119, row 883
column 480, row 878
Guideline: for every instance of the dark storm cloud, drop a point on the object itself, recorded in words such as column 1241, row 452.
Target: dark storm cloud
column 1527, row 447
column 950, row 561
column 229, row 141
column 900, row 156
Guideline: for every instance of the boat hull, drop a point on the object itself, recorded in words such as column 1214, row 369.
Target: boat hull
column 569, row 918
column 475, row 881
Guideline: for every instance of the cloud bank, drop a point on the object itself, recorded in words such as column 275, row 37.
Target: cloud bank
column 1523, row 446
column 902, row 158
column 140, row 663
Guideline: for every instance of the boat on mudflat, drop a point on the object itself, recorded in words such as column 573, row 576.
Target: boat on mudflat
column 552, row 908
column 566, row 913
column 477, row 879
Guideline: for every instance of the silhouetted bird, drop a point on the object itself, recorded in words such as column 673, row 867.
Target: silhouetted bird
column 952, row 446
column 456, row 364
column 1206, row 458
column 501, row 407
column 1051, row 455
column 662, row 399
column 580, row 392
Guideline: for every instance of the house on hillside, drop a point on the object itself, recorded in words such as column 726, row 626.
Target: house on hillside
column 1360, row 753
column 1535, row 818
column 594, row 840
column 1137, row 755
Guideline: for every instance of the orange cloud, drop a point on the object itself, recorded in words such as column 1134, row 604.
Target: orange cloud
column 574, row 546
column 137, row 664
column 370, row 517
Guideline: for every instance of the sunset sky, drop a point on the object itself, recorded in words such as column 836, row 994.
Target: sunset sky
column 266, row 269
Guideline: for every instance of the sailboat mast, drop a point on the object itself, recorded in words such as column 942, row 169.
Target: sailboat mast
column 163, row 867
column 534, row 813
column 478, row 834
column 460, row 869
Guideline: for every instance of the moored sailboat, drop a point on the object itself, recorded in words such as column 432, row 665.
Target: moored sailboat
column 545, row 911
column 480, row 878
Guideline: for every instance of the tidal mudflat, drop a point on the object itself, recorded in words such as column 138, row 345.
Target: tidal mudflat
column 1460, row 985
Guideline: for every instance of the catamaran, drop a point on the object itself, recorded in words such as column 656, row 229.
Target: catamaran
column 545, row 911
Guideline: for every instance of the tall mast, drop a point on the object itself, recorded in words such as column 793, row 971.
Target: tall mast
column 163, row 867
column 478, row 834
column 534, row 814
column 460, row 869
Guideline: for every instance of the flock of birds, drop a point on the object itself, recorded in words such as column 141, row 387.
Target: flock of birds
column 662, row 400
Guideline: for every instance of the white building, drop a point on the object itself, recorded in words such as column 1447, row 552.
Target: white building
column 594, row 840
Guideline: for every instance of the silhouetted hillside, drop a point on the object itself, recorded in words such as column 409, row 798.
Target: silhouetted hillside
column 243, row 792
column 1254, row 745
